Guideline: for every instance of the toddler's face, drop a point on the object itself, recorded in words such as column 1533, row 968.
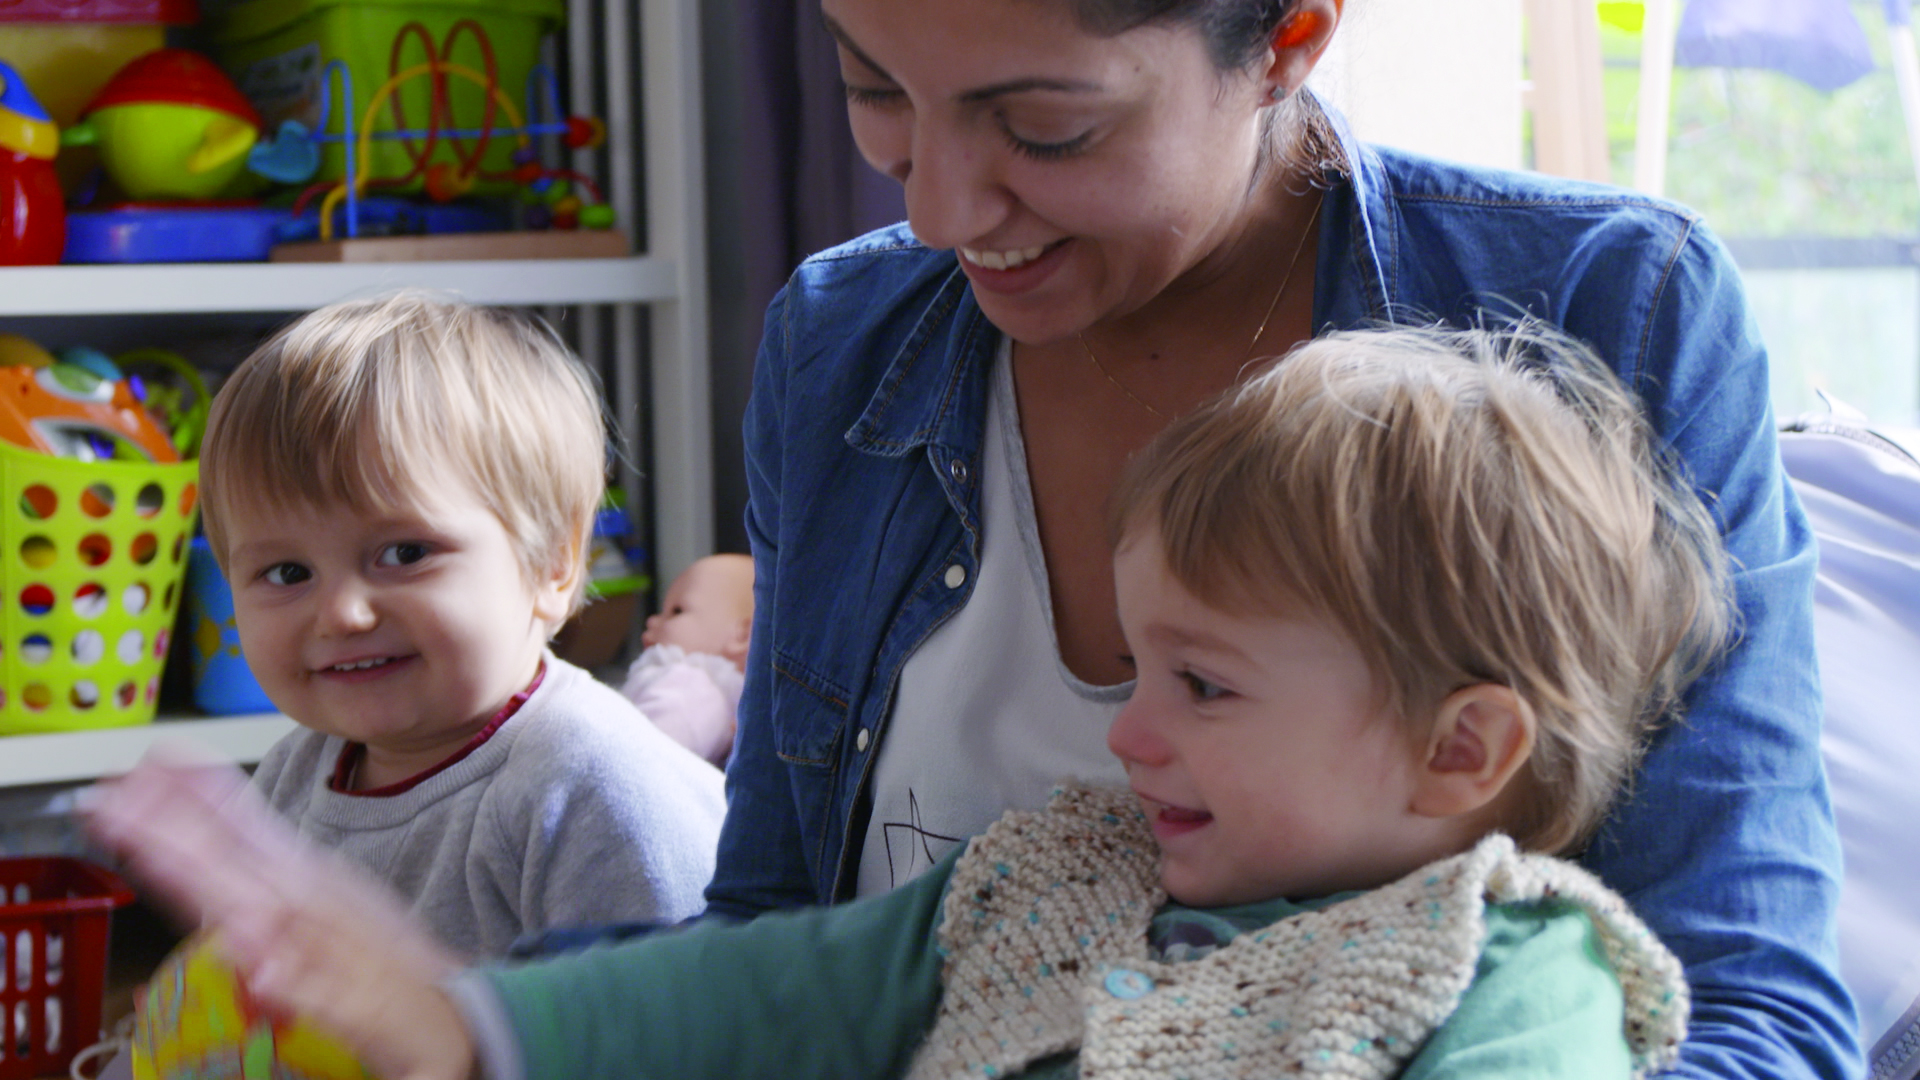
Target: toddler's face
column 1259, row 746
column 406, row 632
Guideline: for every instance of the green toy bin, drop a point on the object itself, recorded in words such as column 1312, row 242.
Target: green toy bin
column 94, row 554
column 277, row 50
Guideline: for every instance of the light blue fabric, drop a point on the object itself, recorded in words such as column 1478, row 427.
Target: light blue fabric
column 1864, row 503
column 863, row 444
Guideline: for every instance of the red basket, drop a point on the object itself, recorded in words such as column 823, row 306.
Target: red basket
column 54, row 918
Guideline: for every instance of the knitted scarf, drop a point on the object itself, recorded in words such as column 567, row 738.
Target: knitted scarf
column 1044, row 934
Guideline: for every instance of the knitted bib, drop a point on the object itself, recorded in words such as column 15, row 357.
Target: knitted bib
column 1044, row 932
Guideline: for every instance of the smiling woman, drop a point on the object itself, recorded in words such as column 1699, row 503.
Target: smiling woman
column 1113, row 206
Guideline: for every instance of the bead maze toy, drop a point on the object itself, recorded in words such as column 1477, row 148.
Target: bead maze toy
column 566, row 225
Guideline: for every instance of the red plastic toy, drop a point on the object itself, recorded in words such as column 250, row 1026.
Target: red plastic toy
column 33, row 216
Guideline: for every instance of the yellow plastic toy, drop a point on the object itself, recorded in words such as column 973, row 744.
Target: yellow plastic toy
column 195, row 1021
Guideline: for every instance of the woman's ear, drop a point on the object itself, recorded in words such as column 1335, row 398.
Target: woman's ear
column 1481, row 737
column 1298, row 44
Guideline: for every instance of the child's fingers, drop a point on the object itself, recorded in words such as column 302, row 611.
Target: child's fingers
column 196, row 834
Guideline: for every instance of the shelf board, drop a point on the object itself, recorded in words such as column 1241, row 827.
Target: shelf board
column 218, row 287
column 89, row 755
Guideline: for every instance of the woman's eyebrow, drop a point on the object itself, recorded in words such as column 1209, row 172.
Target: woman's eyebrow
column 985, row 93
column 840, row 35
column 1018, row 86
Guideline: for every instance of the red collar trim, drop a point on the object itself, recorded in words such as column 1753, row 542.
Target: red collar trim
column 352, row 753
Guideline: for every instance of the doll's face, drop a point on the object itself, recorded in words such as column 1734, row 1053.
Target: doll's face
column 707, row 609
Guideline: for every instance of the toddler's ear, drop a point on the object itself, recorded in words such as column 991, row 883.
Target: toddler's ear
column 1482, row 735
column 554, row 589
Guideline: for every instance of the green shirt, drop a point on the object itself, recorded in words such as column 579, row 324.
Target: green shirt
column 848, row 992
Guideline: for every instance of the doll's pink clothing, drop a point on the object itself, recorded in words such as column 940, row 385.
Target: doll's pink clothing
column 691, row 696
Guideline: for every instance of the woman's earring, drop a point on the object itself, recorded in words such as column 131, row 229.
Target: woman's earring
column 1277, row 94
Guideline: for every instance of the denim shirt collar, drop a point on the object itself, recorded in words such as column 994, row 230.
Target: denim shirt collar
column 935, row 387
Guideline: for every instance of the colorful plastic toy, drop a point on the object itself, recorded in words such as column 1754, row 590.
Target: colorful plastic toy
column 470, row 137
column 33, row 221
column 173, row 392
column 15, row 349
column 194, row 1019
column 68, row 411
column 170, row 125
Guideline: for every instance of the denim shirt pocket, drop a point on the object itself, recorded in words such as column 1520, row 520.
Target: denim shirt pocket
column 812, row 714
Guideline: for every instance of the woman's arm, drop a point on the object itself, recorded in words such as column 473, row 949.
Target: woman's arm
column 1726, row 844
column 761, row 865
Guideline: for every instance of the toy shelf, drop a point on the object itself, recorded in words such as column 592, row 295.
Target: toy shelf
column 223, row 287
column 643, row 318
column 88, row 755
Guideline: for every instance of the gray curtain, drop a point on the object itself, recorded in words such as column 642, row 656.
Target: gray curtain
column 784, row 181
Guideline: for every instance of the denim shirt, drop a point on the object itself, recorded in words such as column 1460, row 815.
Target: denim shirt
column 863, row 440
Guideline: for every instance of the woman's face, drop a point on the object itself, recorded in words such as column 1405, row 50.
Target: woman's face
column 1078, row 176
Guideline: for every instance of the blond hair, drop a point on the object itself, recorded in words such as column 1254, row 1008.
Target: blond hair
column 1466, row 507
column 363, row 403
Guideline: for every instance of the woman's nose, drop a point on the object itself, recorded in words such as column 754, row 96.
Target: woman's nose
column 954, row 194
column 1135, row 737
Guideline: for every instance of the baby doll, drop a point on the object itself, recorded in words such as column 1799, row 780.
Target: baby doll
column 688, row 680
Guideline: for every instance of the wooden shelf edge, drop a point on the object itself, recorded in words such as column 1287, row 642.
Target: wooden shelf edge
column 199, row 288
column 68, row 757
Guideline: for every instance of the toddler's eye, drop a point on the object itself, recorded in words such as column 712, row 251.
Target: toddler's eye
column 402, row 554
column 286, row 573
column 1201, row 689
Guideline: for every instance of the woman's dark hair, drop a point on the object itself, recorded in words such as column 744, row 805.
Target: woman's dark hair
column 1298, row 133
column 1235, row 30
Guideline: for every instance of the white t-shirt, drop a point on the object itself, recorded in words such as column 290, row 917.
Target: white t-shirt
column 986, row 717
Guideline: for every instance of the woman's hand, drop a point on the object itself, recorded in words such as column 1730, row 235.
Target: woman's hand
column 310, row 934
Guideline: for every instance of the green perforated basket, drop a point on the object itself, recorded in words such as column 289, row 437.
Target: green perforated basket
column 94, row 554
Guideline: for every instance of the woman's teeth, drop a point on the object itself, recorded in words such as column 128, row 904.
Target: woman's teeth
column 362, row 665
column 1004, row 260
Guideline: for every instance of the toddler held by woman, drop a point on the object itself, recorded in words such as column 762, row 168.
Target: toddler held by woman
column 1402, row 611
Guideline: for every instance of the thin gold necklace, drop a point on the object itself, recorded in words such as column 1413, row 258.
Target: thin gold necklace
column 1272, row 306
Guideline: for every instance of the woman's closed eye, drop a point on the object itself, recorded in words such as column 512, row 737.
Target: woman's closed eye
column 1040, row 149
column 873, row 97
column 286, row 573
column 405, row 553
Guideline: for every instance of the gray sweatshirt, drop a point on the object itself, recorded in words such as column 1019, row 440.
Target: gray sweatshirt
column 576, row 811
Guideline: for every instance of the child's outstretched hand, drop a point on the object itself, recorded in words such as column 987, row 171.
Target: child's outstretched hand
column 310, row 934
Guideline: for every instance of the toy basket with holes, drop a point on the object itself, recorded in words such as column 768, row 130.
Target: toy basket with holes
column 54, row 917
column 94, row 556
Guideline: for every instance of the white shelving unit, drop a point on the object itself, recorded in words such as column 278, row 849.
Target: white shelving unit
column 659, row 390
column 88, row 755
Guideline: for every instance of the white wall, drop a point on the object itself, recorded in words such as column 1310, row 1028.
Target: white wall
column 1440, row 77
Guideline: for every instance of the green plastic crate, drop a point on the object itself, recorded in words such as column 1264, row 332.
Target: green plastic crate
column 92, row 557
column 277, row 50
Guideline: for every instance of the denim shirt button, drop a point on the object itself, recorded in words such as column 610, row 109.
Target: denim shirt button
column 861, row 740
column 1128, row 985
column 958, row 470
column 956, row 576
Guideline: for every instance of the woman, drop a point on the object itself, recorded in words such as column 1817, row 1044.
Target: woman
column 1115, row 205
